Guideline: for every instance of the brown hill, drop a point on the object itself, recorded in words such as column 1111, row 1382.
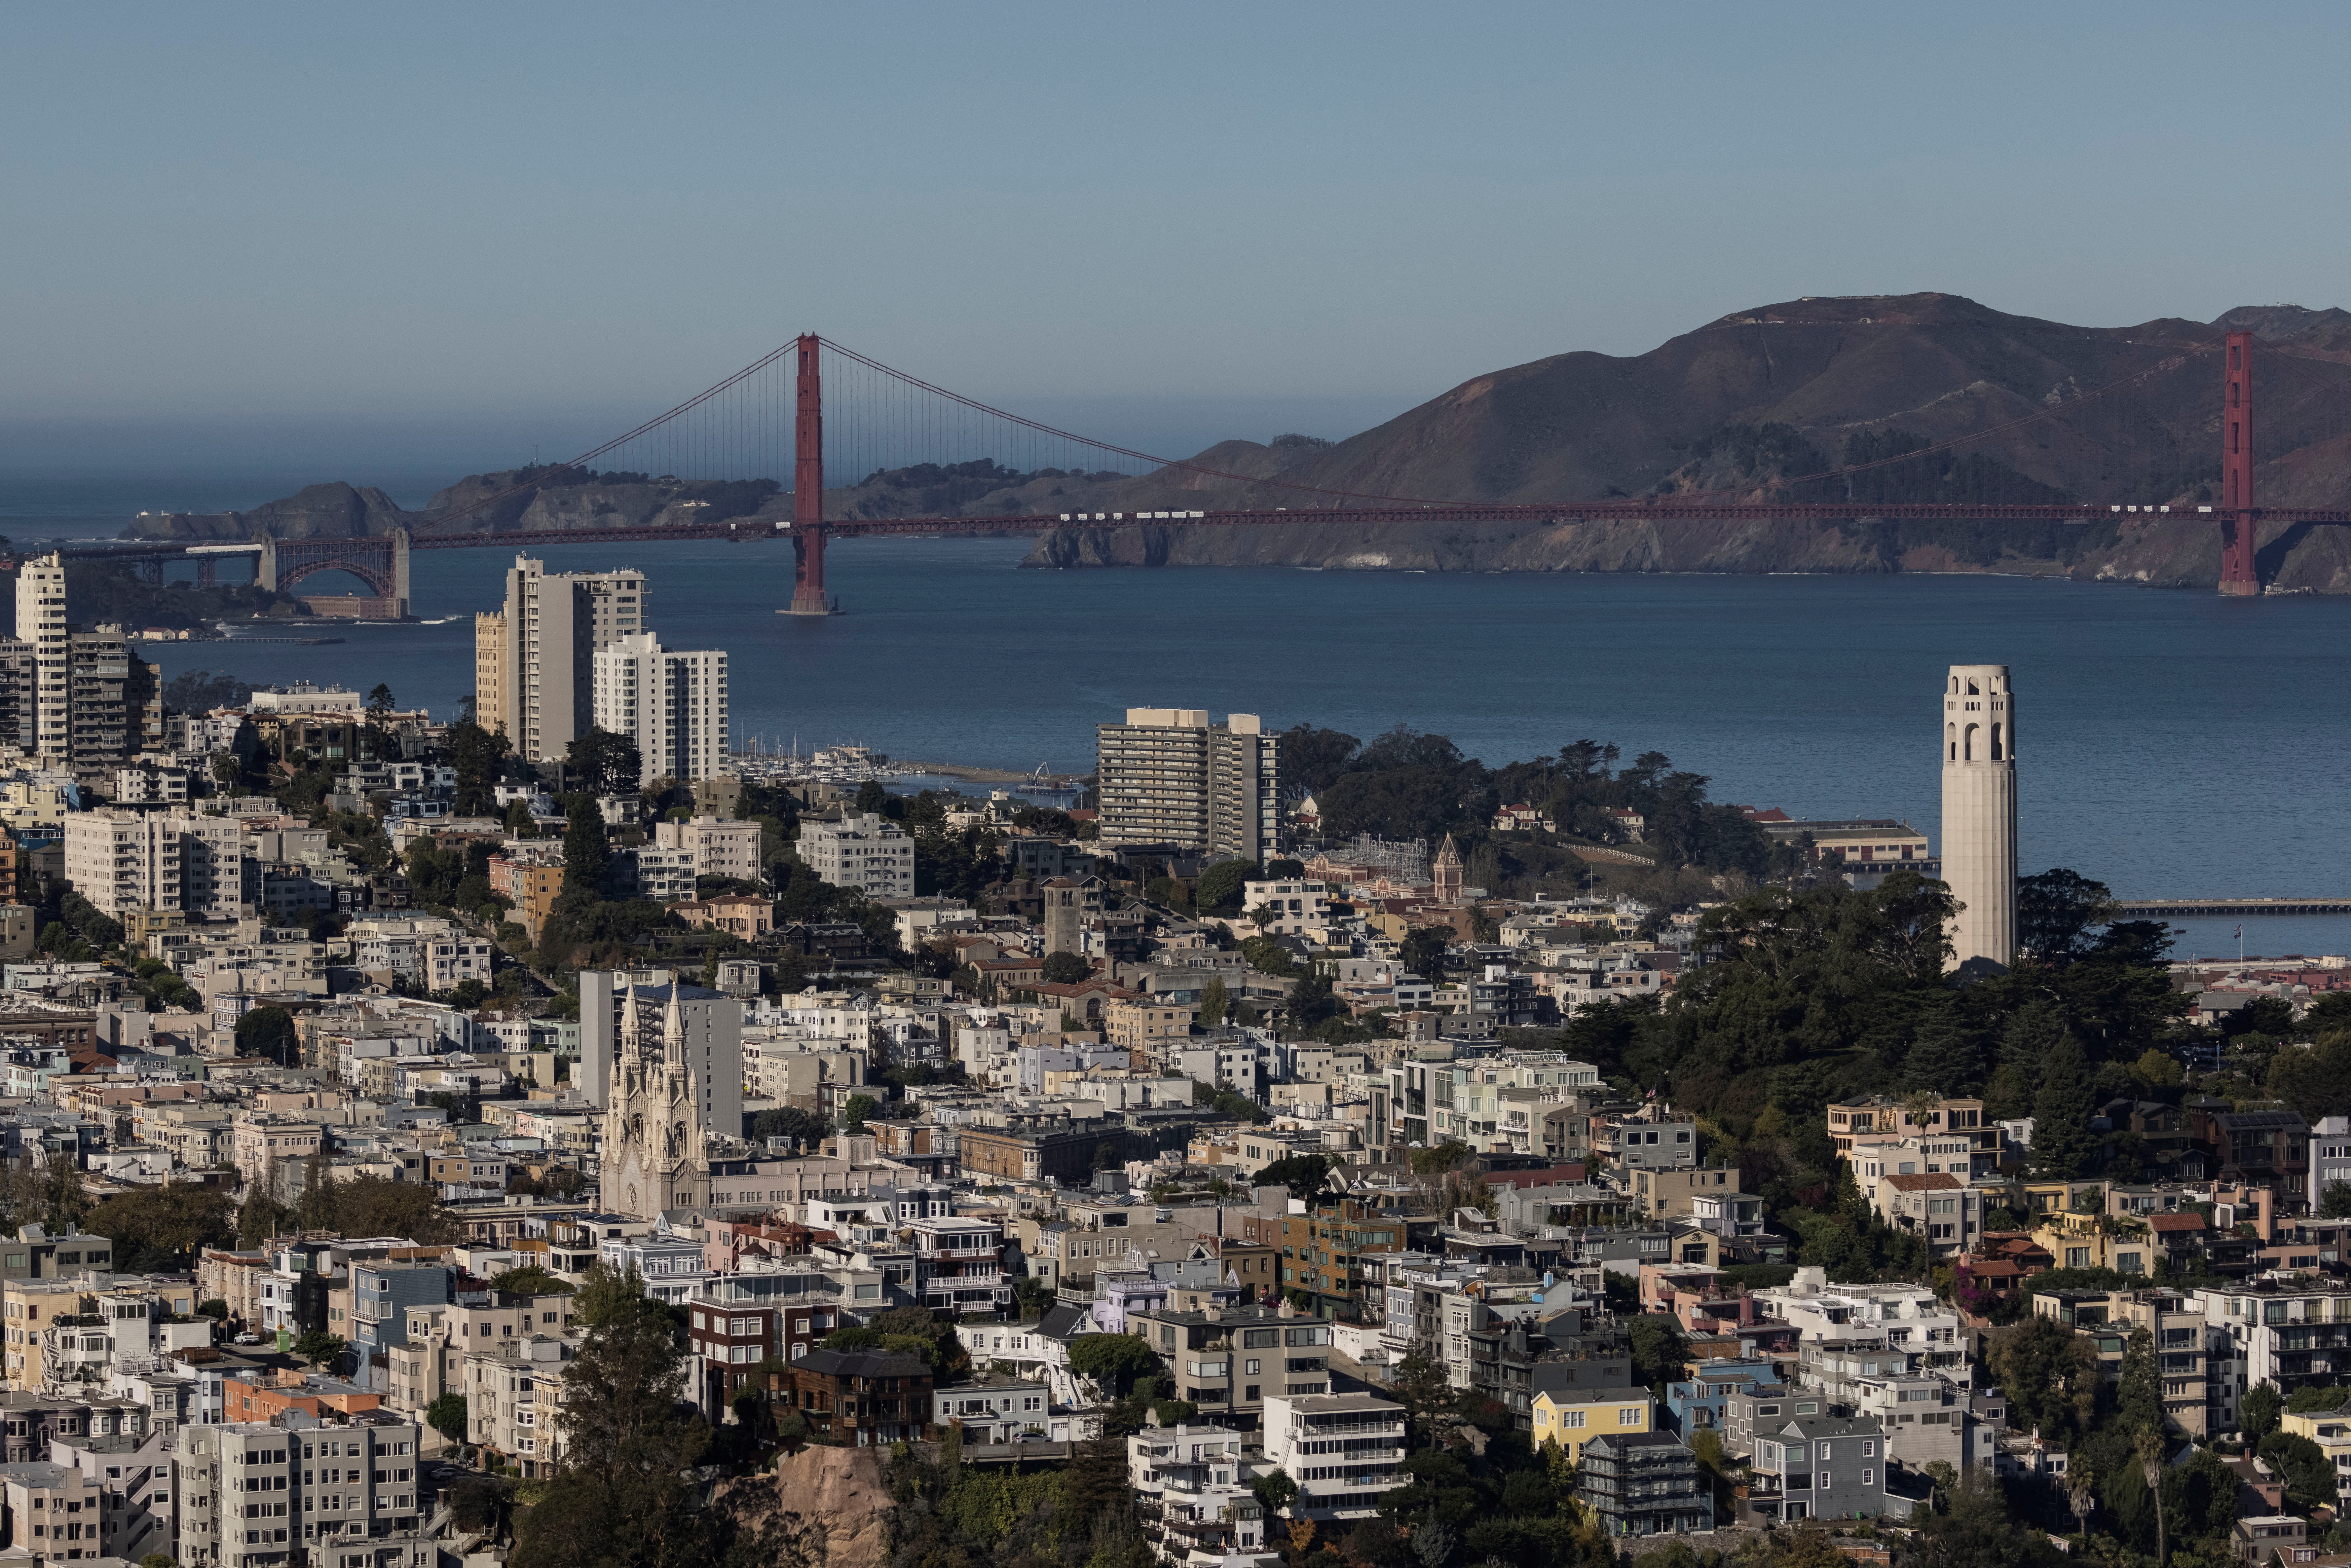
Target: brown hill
column 1583, row 427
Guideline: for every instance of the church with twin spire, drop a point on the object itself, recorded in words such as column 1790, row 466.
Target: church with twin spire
column 654, row 1151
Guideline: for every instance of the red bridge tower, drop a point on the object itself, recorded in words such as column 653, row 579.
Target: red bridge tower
column 807, row 489
column 2239, row 573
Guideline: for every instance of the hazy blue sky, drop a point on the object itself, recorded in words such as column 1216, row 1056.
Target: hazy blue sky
column 319, row 232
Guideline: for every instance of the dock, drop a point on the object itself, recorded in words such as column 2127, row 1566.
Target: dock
column 2224, row 908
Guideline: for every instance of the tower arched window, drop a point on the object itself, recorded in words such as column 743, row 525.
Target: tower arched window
column 1967, row 745
column 1995, row 743
column 1952, row 737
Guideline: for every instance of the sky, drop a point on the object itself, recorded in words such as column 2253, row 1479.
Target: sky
column 426, row 237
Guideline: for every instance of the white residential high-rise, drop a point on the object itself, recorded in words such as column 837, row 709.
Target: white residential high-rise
column 1979, row 811
column 1167, row 776
column 123, row 861
column 673, row 704
column 41, row 622
column 533, row 662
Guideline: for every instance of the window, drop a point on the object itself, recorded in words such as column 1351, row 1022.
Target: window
column 1572, row 1419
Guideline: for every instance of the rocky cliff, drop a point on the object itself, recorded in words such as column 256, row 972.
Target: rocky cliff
column 827, row 1508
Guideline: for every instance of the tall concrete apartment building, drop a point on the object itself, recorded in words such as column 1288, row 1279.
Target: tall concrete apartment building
column 1979, row 811
column 41, row 622
column 673, row 704
column 1167, row 776
column 123, row 861
column 114, row 701
column 534, row 661
column 294, row 1490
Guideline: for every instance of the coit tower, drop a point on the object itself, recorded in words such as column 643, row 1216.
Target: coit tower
column 1980, row 810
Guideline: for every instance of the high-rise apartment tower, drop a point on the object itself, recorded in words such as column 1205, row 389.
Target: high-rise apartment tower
column 1167, row 776
column 1980, row 810
column 534, row 661
column 672, row 702
column 41, row 622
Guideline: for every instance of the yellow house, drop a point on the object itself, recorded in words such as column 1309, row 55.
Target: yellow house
column 2080, row 1240
column 2330, row 1429
column 1574, row 1416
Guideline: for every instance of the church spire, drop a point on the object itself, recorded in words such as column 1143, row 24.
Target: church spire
column 674, row 1029
column 629, row 1023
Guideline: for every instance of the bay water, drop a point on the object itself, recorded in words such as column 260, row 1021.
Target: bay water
column 2169, row 744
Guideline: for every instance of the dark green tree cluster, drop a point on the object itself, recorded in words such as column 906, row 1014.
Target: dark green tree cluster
column 1829, row 994
column 626, row 1495
column 160, row 1230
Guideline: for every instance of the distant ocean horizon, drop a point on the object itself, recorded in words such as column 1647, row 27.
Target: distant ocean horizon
column 2169, row 744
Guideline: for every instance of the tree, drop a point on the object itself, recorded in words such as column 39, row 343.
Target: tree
column 603, row 763
column 1315, row 758
column 446, row 1415
column 2258, row 1412
column 1218, row 890
column 2051, row 1377
column 2303, row 1465
column 1945, row 1057
column 1214, row 1000
column 269, row 1032
column 587, row 852
column 1113, row 1360
column 2335, row 1202
column 625, row 1495
column 379, row 702
column 476, row 755
column 160, row 1230
column 1423, row 950
column 1658, row 1349
column 259, row 1218
column 2055, row 913
column 2062, row 1140
column 201, row 691
column 1304, row 1175
column 1425, row 1391
column 319, row 1347
column 871, row 799
column 1274, row 1490
column 1977, row 1531
column 2138, row 1392
column 805, row 1128
column 853, row 1114
column 1064, row 968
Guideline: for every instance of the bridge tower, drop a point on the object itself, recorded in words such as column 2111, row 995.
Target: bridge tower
column 2239, row 573
column 807, row 489
column 400, row 574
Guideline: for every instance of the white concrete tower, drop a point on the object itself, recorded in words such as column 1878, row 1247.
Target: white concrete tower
column 41, row 622
column 1980, row 810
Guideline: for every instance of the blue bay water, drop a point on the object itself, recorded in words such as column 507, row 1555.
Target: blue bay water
column 2170, row 744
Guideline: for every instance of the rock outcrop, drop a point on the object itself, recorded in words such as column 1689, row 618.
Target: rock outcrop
column 834, row 1503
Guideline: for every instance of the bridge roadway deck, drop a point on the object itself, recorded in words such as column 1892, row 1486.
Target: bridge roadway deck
column 748, row 529
column 2227, row 906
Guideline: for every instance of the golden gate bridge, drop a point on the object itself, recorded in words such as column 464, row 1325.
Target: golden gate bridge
column 774, row 410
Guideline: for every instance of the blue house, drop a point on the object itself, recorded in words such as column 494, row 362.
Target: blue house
column 1697, row 1404
column 383, row 1290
